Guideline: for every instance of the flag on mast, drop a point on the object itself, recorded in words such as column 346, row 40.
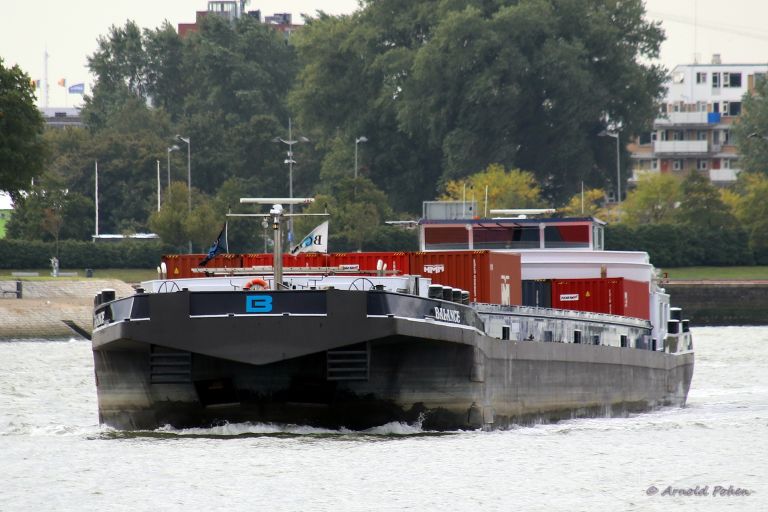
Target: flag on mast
column 315, row 241
column 215, row 248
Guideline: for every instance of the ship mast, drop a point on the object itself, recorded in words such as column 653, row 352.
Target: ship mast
column 277, row 215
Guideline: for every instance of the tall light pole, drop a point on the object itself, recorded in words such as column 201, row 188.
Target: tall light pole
column 96, row 194
column 168, row 152
column 186, row 140
column 615, row 135
column 290, row 161
column 358, row 140
column 158, row 185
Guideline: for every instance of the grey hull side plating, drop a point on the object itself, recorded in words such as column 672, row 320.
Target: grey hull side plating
column 448, row 376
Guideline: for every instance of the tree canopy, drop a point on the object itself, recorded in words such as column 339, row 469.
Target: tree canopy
column 447, row 88
column 22, row 152
column 506, row 189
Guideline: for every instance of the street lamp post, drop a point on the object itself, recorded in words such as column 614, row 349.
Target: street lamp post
column 168, row 152
column 358, row 140
column 158, row 185
column 615, row 135
column 186, row 140
column 290, row 161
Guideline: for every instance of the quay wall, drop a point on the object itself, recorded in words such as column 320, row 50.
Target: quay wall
column 46, row 304
column 721, row 302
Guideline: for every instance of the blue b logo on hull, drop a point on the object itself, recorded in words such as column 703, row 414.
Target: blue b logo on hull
column 258, row 303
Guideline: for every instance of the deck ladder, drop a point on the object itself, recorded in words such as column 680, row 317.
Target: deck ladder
column 169, row 366
column 349, row 363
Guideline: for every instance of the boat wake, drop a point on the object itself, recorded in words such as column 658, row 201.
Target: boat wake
column 247, row 429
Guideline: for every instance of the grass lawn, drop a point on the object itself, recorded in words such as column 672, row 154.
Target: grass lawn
column 129, row 275
column 718, row 273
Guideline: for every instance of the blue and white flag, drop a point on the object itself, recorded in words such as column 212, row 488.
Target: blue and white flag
column 77, row 89
column 215, row 248
column 316, row 241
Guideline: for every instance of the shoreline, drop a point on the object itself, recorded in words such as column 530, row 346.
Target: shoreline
column 46, row 305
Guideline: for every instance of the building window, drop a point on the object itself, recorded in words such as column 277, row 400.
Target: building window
column 678, row 77
column 701, row 164
column 701, row 106
column 655, row 164
column 726, row 136
column 677, row 135
column 701, row 135
column 734, row 108
column 726, row 163
column 677, row 165
column 645, row 138
column 725, row 109
column 701, row 78
column 731, row 79
column 663, row 108
column 715, row 80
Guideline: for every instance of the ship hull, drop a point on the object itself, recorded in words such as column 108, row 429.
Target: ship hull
column 355, row 360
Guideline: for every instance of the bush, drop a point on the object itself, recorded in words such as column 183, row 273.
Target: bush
column 682, row 246
column 16, row 254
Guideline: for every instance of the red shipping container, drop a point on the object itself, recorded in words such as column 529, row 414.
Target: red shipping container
column 179, row 266
column 614, row 296
column 489, row 277
column 397, row 261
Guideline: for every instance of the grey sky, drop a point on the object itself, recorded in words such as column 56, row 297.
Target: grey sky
column 736, row 29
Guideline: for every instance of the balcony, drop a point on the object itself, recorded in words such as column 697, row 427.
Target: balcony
column 723, row 176
column 682, row 118
column 680, row 147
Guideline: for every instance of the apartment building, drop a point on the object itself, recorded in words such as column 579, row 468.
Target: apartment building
column 232, row 10
column 693, row 130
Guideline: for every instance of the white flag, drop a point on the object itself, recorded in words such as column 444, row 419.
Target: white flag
column 316, row 241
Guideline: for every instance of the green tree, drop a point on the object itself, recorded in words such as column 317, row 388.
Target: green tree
column 448, row 88
column 752, row 212
column 22, row 151
column 754, row 121
column 701, row 204
column 357, row 211
column 506, row 189
column 653, row 201
column 50, row 211
column 170, row 223
column 591, row 204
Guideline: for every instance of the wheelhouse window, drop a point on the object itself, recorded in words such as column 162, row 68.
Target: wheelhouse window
column 440, row 238
column 489, row 236
column 566, row 236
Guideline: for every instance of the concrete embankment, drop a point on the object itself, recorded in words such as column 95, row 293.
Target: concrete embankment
column 721, row 302
column 45, row 305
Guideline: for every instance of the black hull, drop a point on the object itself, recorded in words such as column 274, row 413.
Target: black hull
column 349, row 368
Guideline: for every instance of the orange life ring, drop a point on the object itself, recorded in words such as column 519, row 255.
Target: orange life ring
column 256, row 282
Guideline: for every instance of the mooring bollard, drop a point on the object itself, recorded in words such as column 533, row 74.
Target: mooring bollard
column 18, row 290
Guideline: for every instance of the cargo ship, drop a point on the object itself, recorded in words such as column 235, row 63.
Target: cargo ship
column 493, row 322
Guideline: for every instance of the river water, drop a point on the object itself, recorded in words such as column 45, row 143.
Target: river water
column 55, row 456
